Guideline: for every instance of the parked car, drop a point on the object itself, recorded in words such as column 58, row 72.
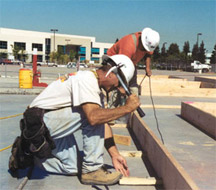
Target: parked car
column 74, row 65
column 83, row 65
column 196, row 66
column 5, row 61
column 49, row 64
column 71, row 65
column 141, row 66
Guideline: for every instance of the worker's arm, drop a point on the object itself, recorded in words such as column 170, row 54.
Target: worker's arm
column 148, row 66
column 97, row 115
column 118, row 160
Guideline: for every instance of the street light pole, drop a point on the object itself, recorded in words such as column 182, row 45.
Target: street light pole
column 54, row 31
column 164, row 44
column 199, row 34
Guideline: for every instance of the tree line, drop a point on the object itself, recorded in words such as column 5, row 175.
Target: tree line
column 174, row 55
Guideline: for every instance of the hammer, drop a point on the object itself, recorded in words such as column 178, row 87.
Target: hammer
column 115, row 70
column 139, row 110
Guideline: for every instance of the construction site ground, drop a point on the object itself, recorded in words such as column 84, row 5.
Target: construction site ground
column 193, row 149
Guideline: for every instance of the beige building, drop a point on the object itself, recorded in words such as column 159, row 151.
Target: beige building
column 46, row 42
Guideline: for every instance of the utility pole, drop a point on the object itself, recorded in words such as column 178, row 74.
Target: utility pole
column 54, row 31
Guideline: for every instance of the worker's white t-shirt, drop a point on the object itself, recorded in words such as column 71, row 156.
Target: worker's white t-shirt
column 76, row 90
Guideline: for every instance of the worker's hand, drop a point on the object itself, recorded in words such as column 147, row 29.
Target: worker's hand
column 148, row 72
column 120, row 165
column 132, row 102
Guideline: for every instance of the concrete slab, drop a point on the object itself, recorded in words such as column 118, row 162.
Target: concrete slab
column 43, row 180
column 193, row 149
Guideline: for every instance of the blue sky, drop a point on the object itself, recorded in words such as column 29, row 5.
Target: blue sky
column 177, row 21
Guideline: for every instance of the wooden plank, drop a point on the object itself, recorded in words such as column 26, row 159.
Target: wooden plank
column 137, row 154
column 139, row 181
column 122, row 139
column 207, row 82
column 119, row 125
column 201, row 114
column 200, row 92
column 165, row 165
column 162, row 106
column 163, row 86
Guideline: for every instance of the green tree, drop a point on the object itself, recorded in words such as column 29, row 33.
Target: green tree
column 60, row 52
column 72, row 55
column 186, row 48
column 201, row 53
column 163, row 53
column 15, row 50
column 53, row 56
column 195, row 52
column 213, row 56
column 173, row 49
column 156, row 54
column 23, row 55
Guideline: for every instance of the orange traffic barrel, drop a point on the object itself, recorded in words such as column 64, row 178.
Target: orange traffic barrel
column 25, row 78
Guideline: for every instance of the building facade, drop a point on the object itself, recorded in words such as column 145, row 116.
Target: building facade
column 86, row 47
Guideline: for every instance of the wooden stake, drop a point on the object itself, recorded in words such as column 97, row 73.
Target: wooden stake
column 139, row 181
column 137, row 154
column 121, row 139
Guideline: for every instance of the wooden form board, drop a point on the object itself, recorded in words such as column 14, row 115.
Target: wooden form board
column 165, row 165
column 206, row 82
column 200, row 92
column 162, row 106
column 201, row 114
column 164, row 86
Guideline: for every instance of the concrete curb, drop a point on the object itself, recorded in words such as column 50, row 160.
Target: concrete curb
column 21, row 91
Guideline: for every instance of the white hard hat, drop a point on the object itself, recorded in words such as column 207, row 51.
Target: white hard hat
column 125, row 64
column 150, row 39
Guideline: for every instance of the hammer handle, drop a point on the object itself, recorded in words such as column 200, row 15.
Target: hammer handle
column 140, row 112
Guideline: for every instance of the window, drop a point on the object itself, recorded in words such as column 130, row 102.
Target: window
column 39, row 58
column 61, row 49
column 47, row 46
column 82, row 51
column 39, row 47
column 82, row 58
column 95, row 51
column 3, row 44
column 95, row 59
column 20, row 45
column 105, row 50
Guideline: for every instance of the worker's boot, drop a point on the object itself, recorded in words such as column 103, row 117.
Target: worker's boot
column 101, row 177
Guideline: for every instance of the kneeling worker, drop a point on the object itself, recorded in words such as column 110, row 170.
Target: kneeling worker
column 77, row 105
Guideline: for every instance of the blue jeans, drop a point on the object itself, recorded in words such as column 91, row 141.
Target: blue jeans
column 69, row 128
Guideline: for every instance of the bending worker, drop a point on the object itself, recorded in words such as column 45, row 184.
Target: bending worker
column 137, row 46
column 77, row 105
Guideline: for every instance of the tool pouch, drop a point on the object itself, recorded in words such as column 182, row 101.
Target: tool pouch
column 37, row 134
column 35, row 140
column 19, row 159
